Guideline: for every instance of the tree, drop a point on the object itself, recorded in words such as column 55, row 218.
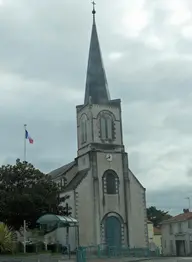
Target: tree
column 26, row 194
column 156, row 216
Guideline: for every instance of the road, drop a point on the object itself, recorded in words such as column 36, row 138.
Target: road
column 132, row 259
column 173, row 259
column 64, row 259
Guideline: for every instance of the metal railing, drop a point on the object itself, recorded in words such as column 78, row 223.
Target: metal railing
column 104, row 251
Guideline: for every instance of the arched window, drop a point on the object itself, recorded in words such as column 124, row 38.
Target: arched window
column 83, row 126
column 106, row 127
column 110, row 182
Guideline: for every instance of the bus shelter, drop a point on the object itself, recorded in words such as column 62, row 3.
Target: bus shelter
column 50, row 222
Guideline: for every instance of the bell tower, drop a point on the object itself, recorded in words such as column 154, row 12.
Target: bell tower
column 99, row 122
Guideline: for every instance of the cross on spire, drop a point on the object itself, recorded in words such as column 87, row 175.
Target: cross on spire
column 93, row 12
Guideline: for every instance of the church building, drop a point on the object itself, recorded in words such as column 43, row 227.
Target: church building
column 106, row 198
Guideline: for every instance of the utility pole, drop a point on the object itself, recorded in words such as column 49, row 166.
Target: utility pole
column 67, row 214
column 24, row 236
column 67, row 209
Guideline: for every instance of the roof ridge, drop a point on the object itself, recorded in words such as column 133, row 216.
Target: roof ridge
column 61, row 170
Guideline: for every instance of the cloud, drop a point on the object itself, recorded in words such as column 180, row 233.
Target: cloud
column 146, row 48
column 172, row 200
column 189, row 172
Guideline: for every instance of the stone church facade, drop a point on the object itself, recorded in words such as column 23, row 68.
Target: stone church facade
column 106, row 198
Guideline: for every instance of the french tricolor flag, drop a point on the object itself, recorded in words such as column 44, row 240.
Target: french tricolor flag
column 27, row 136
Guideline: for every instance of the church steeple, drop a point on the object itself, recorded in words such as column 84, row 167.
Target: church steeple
column 96, row 82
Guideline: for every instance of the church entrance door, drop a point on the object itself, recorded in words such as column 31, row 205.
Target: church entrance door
column 113, row 231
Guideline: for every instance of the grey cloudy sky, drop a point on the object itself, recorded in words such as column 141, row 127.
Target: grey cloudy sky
column 147, row 52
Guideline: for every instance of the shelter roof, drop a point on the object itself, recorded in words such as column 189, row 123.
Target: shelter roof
column 50, row 218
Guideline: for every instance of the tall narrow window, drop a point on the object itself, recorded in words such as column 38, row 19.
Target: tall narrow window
column 103, row 128
column 106, row 127
column 83, row 129
column 109, row 127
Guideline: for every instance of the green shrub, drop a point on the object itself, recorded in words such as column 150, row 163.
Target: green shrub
column 7, row 239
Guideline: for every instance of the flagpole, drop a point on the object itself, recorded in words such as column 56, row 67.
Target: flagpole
column 25, row 151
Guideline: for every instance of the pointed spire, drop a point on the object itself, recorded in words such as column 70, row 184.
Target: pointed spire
column 96, row 82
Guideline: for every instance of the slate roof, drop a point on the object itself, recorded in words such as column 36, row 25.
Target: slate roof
column 179, row 218
column 137, row 179
column 96, row 82
column 76, row 180
column 61, row 170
